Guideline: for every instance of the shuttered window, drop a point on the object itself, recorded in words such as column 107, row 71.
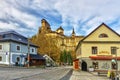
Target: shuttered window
column 94, row 50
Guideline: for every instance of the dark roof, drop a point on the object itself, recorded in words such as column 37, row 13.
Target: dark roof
column 15, row 37
column 36, row 56
column 10, row 32
column 60, row 28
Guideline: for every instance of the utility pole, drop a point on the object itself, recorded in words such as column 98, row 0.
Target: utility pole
column 28, row 55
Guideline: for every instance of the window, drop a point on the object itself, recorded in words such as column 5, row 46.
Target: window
column 18, row 59
column 6, row 36
column 103, row 35
column 0, row 37
column 0, row 58
column 95, row 65
column 0, row 47
column 94, row 50
column 32, row 50
column 113, row 50
column 3, row 36
column 18, row 48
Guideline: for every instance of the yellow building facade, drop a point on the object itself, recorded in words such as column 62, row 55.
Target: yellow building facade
column 99, row 49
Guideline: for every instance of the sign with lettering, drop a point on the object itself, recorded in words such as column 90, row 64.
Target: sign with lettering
column 104, row 52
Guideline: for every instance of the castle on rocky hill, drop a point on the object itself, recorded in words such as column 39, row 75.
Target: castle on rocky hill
column 64, row 42
column 68, row 43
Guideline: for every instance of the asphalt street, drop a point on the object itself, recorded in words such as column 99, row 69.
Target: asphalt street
column 54, row 73
column 51, row 73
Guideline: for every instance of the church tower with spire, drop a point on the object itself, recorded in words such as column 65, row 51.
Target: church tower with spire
column 73, row 33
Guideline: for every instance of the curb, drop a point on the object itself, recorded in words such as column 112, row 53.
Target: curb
column 68, row 75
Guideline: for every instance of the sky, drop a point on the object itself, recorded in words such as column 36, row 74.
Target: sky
column 24, row 16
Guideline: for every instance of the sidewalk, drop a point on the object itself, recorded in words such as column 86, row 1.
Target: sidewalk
column 11, row 66
column 83, row 75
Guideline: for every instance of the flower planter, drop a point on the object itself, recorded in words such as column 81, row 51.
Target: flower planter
column 91, row 69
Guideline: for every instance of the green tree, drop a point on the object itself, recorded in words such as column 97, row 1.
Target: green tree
column 69, row 58
column 61, row 57
column 65, row 56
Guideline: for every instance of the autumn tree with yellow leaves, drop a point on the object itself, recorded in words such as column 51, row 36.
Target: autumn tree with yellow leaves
column 46, row 45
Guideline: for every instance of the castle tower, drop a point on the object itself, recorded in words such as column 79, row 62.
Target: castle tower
column 45, row 28
column 60, row 30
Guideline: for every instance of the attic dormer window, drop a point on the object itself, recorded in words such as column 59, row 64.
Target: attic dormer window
column 4, row 36
column 19, row 39
column 103, row 35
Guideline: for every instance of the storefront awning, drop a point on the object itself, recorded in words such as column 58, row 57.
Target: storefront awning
column 36, row 56
column 104, row 57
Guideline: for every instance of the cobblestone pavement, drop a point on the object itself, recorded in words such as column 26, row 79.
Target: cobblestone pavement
column 55, row 73
column 81, row 75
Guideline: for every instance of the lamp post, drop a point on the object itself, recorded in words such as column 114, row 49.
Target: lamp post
column 117, row 78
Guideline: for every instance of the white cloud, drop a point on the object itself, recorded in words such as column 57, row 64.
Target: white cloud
column 11, row 13
column 42, row 4
column 83, row 15
column 7, row 26
column 81, row 10
column 24, row 17
column 11, row 26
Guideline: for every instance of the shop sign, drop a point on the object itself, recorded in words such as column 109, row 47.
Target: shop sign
column 104, row 52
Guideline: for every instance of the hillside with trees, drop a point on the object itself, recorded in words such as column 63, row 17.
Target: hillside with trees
column 55, row 43
column 46, row 45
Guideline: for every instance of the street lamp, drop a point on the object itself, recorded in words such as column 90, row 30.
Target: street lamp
column 116, row 64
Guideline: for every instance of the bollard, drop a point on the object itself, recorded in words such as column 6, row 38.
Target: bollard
column 108, row 73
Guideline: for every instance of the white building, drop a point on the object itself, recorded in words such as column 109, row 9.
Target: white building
column 14, row 48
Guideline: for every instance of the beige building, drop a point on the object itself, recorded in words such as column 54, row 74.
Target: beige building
column 99, row 49
column 64, row 42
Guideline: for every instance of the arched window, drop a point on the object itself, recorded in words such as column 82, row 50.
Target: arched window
column 18, row 59
column 103, row 35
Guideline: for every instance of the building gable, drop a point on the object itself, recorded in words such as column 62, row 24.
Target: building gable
column 102, row 33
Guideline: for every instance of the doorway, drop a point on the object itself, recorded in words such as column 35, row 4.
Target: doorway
column 114, row 65
column 84, row 66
